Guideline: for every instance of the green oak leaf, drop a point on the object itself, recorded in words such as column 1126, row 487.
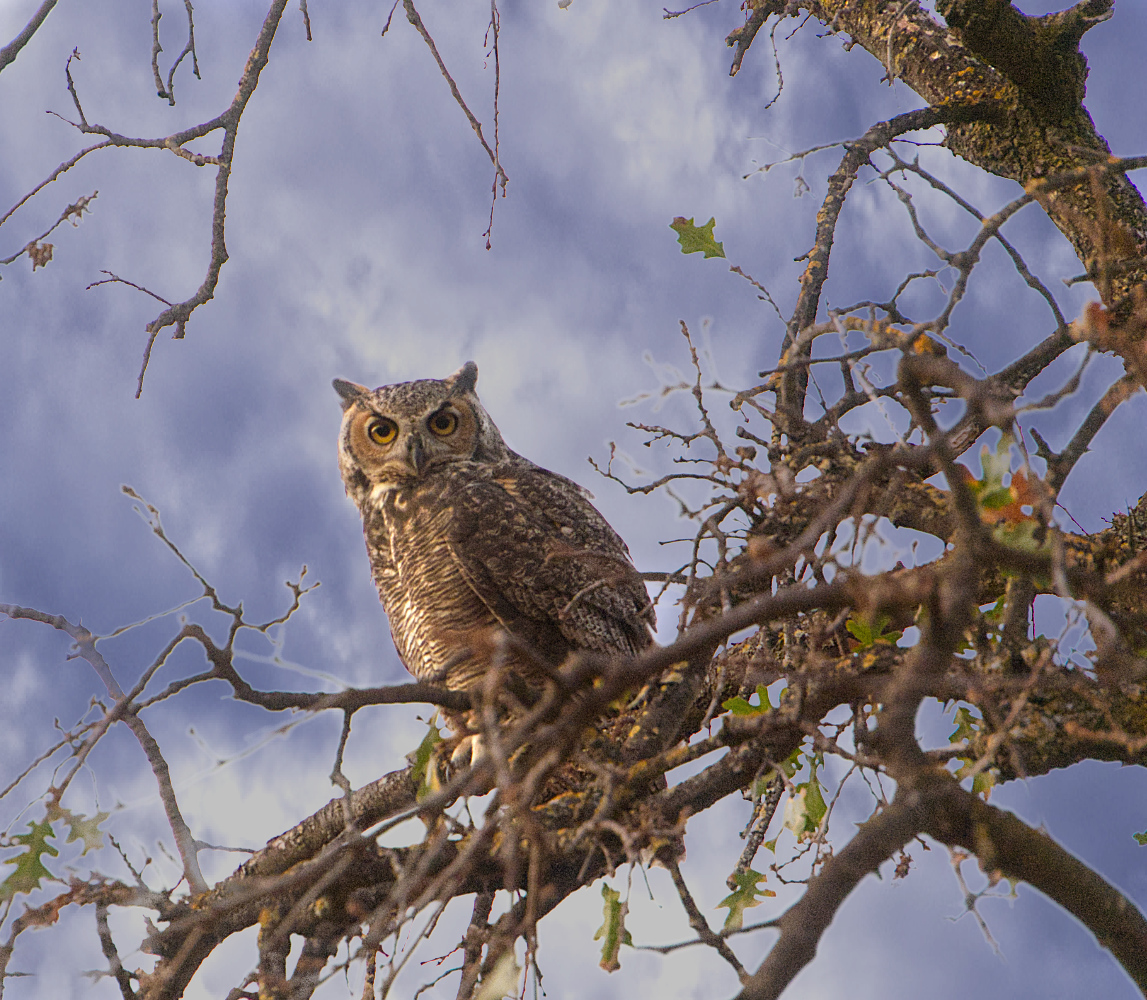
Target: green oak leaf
column 425, row 772
column 789, row 766
column 814, row 799
column 967, row 725
column 805, row 808
column 983, row 783
column 996, row 463
column 80, row 827
column 868, row 634
column 740, row 706
column 996, row 614
column 996, row 499
column 29, row 868
column 1020, row 536
column 792, row 763
column 744, row 897
column 697, row 239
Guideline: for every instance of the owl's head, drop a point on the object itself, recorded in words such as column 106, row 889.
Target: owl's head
column 394, row 434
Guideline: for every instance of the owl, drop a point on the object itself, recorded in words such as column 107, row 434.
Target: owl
column 469, row 541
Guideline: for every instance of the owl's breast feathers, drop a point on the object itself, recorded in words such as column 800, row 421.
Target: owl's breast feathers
column 477, row 545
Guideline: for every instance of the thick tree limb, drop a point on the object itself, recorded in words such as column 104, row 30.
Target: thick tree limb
column 1009, row 848
column 1034, row 138
column 804, row 923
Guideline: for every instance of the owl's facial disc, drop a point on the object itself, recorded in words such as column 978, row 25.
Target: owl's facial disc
column 382, row 448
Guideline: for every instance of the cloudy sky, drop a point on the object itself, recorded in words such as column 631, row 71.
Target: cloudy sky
column 355, row 226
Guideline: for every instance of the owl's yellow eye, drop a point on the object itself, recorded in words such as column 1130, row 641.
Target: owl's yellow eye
column 444, row 423
column 382, row 431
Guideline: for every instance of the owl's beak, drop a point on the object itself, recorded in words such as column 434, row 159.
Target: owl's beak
column 416, row 454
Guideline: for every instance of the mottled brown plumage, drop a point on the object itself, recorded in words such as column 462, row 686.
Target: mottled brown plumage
column 467, row 539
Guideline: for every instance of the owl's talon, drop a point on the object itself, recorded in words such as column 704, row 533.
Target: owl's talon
column 468, row 752
column 629, row 701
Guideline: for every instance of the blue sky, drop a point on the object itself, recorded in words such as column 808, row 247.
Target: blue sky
column 358, row 203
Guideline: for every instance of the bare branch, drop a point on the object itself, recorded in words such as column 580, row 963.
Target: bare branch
column 188, row 49
column 698, row 922
column 86, row 646
column 1009, row 848
column 12, row 49
column 793, row 385
column 413, row 17
column 73, row 212
column 1059, row 466
column 805, row 922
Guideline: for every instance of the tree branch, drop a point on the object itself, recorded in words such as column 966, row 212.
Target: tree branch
column 804, row 923
column 1009, row 848
column 10, row 51
column 1024, row 144
column 794, row 381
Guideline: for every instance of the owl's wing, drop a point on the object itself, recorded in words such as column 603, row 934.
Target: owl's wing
column 546, row 563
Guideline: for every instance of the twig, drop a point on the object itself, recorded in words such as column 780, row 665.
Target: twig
column 766, row 807
column 476, row 935
column 499, row 174
column 156, row 48
column 698, row 922
column 802, row 925
column 1060, row 465
column 791, row 394
column 188, row 49
column 413, row 17
column 107, row 946
column 74, row 212
column 86, row 645
column 61, row 169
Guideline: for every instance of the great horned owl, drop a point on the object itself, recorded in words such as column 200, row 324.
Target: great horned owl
column 467, row 538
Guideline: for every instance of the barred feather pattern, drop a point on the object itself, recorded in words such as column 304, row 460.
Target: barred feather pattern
column 469, row 541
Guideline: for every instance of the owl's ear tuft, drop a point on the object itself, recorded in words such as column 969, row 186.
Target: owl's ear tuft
column 350, row 392
column 464, row 379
